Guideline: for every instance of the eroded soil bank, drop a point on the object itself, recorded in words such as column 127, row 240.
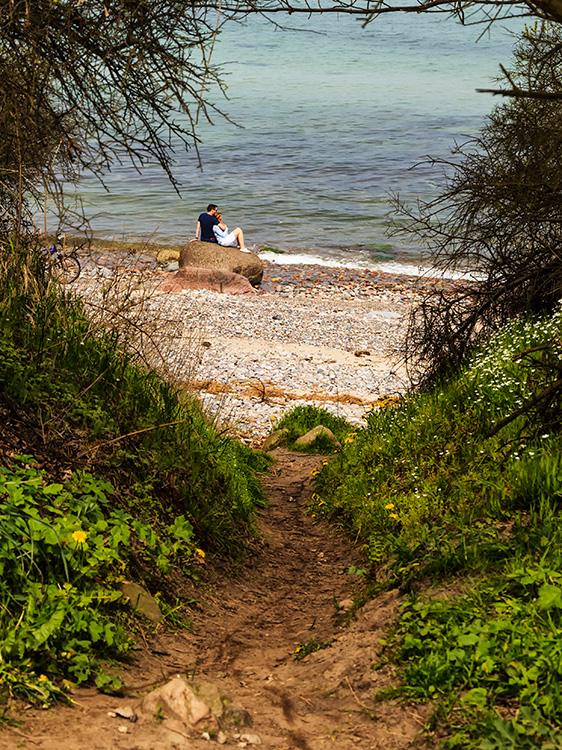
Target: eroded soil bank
column 246, row 632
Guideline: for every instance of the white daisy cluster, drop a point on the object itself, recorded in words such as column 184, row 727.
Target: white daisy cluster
column 495, row 372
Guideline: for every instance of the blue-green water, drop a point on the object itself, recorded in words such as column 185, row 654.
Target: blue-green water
column 332, row 117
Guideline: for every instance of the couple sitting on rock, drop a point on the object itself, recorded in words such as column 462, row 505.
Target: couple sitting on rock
column 210, row 228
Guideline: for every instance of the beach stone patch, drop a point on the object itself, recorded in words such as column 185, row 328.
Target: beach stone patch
column 218, row 258
column 319, row 431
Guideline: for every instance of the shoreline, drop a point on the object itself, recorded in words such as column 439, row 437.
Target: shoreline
column 311, row 335
column 301, row 259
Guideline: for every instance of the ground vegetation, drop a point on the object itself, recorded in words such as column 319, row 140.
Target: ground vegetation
column 497, row 221
column 455, row 493
column 107, row 473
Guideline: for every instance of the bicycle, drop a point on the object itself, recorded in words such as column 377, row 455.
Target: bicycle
column 62, row 265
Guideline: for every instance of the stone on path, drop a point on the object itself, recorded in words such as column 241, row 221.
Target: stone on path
column 274, row 439
column 218, row 258
column 191, row 702
column 316, row 432
column 142, row 601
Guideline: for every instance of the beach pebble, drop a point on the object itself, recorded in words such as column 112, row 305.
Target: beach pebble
column 334, row 342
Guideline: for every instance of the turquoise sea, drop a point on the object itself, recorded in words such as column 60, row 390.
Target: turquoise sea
column 330, row 118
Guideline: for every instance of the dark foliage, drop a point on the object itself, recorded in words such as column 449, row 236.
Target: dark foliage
column 500, row 213
column 85, row 83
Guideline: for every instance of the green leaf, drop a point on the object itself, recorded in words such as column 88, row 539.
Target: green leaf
column 549, row 596
column 468, row 639
column 48, row 628
column 53, row 489
column 475, row 697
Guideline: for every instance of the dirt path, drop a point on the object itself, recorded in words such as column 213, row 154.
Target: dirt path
column 244, row 641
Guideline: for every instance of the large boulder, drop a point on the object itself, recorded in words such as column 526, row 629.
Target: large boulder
column 218, row 258
column 204, row 278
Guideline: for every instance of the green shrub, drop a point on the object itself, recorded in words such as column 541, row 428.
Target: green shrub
column 302, row 419
column 165, row 487
column 444, row 500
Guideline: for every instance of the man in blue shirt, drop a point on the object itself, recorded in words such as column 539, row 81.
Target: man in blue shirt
column 205, row 224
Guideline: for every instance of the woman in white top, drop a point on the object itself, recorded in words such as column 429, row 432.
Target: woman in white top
column 229, row 239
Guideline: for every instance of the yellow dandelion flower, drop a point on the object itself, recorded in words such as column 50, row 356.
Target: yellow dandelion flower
column 394, row 515
column 79, row 536
column 201, row 553
column 389, row 506
column 43, row 678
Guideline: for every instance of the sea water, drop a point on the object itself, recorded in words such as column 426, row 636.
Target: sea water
column 331, row 119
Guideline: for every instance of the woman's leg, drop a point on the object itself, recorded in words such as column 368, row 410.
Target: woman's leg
column 239, row 234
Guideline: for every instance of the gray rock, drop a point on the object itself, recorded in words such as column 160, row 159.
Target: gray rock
column 125, row 712
column 274, row 439
column 176, row 700
column 217, row 258
column 316, row 432
column 142, row 601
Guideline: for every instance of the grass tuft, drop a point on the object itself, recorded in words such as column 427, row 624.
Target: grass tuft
column 302, row 419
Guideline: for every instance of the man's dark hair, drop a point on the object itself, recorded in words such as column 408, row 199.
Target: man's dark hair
column 211, row 206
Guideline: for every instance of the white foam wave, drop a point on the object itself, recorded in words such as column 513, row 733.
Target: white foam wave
column 408, row 269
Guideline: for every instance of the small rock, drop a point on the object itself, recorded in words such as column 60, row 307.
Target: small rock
column 345, row 604
column 123, row 729
column 126, row 712
column 205, row 736
column 165, row 256
column 250, row 739
column 274, row 439
column 142, row 601
column 315, row 433
column 222, row 738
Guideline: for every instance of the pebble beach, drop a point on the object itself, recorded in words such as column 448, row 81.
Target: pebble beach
column 311, row 335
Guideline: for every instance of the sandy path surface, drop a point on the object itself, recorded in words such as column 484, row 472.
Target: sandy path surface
column 247, row 630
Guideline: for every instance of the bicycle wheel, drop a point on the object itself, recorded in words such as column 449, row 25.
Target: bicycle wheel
column 67, row 269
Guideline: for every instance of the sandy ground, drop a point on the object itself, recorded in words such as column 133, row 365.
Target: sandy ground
column 246, row 631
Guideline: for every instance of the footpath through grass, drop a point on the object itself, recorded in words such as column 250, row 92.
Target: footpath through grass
column 460, row 507
column 121, row 477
